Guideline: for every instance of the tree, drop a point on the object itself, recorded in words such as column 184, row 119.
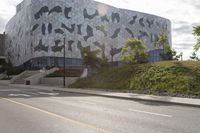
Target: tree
column 90, row 58
column 8, row 68
column 168, row 53
column 196, row 33
column 194, row 56
column 134, row 51
column 162, row 42
column 179, row 56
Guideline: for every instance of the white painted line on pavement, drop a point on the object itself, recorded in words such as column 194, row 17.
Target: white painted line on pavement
column 6, row 90
column 151, row 113
column 60, row 116
column 30, row 93
column 51, row 94
column 87, row 102
column 18, row 95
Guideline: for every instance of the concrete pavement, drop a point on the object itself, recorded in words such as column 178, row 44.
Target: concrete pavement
column 107, row 93
column 131, row 96
column 40, row 110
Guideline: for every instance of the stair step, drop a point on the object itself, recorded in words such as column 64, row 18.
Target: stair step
column 26, row 75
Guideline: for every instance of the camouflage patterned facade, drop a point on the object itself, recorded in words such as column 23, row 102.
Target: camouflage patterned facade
column 39, row 26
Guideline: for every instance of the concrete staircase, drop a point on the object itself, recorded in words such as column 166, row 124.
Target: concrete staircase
column 21, row 78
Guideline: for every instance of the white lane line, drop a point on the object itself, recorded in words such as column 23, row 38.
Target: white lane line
column 95, row 128
column 6, row 90
column 151, row 113
column 19, row 95
column 51, row 94
column 87, row 102
column 30, row 93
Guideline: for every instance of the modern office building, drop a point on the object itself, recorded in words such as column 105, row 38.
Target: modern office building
column 2, row 56
column 34, row 36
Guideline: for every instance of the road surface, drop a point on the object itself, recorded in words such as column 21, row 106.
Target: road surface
column 42, row 111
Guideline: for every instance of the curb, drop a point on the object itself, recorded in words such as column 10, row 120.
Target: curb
column 134, row 99
column 146, row 98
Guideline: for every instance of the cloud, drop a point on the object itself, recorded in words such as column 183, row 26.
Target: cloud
column 184, row 29
column 7, row 10
column 2, row 24
column 194, row 3
column 184, row 46
column 197, row 6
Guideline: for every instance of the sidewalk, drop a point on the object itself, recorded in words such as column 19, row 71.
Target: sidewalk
column 4, row 82
column 129, row 96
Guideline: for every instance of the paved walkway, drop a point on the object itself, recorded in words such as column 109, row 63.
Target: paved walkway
column 4, row 82
column 131, row 96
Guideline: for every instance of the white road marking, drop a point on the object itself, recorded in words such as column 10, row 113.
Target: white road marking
column 95, row 128
column 151, row 113
column 7, row 90
column 30, row 93
column 51, row 94
column 19, row 95
column 87, row 102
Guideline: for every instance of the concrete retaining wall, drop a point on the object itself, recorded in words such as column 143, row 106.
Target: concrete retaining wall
column 58, row 81
column 2, row 76
column 35, row 79
column 12, row 81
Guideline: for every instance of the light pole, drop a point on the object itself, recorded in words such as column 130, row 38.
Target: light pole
column 64, row 65
column 181, row 54
column 112, row 55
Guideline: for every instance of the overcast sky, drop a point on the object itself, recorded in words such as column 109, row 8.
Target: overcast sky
column 183, row 14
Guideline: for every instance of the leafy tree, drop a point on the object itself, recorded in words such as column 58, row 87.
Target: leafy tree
column 134, row 51
column 194, row 56
column 179, row 57
column 162, row 42
column 168, row 53
column 8, row 68
column 196, row 33
column 90, row 58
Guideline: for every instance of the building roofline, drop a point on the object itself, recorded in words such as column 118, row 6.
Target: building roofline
column 125, row 9
column 130, row 10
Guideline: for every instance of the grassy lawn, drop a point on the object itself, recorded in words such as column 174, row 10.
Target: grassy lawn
column 162, row 78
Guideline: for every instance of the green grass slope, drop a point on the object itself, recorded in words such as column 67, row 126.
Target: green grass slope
column 163, row 78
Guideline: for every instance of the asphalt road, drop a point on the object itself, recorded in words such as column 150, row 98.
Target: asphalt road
column 42, row 111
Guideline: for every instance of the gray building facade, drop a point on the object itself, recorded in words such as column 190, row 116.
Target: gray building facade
column 2, row 50
column 34, row 36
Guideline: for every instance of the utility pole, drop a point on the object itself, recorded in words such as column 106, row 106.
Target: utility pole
column 64, row 66
column 181, row 56
column 112, row 55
